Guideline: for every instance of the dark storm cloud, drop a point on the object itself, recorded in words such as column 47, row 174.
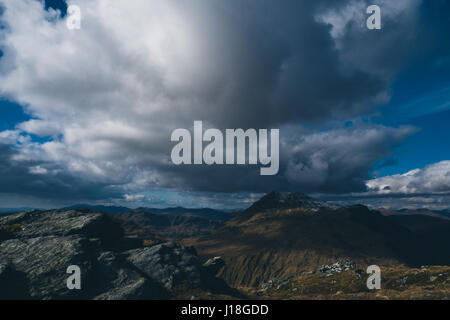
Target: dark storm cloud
column 336, row 161
column 111, row 93
column 279, row 65
column 17, row 178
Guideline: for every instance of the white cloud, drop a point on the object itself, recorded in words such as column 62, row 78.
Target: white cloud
column 354, row 12
column 134, row 197
column 366, row 49
column 434, row 178
column 323, row 161
column 38, row 170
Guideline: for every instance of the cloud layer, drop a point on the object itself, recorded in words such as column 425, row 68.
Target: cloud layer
column 434, row 178
column 106, row 98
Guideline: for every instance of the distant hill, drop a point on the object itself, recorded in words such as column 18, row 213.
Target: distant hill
column 205, row 213
column 13, row 210
column 284, row 235
column 150, row 226
column 99, row 208
column 168, row 223
column 443, row 214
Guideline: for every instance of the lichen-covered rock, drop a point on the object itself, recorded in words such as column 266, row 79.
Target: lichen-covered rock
column 37, row 247
column 275, row 283
column 328, row 270
column 121, row 283
column 168, row 263
column 60, row 223
column 44, row 262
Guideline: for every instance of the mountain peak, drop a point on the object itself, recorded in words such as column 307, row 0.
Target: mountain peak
column 277, row 200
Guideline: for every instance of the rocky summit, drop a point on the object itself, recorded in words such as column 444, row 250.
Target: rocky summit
column 277, row 201
column 37, row 247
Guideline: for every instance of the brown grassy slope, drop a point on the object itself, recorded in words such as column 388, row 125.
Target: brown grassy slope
column 396, row 283
column 284, row 243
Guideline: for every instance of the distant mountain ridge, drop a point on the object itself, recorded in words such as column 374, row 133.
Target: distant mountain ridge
column 167, row 223
column 99, row 208
column 149, row 225
column 442, row 214
column 13, row 210
column 205, row 213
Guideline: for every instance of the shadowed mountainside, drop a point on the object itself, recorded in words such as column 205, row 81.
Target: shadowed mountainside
column 205, row 213
column 148, row 225
column 284, row 235
column 443, row 214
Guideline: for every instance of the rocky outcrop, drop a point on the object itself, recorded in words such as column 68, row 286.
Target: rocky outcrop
column 278, row 201
column 44, row 261
column 276, row 284
column 123, row 282
column 214, row 265
column 327, row 270
column 61, row 223
column 37, row 247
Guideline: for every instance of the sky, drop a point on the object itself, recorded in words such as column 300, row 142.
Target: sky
column 86, row 115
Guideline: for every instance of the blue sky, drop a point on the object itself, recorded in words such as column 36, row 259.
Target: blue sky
column 86, row 115
column 421, row 98
column 56, row 4
column 11, row 114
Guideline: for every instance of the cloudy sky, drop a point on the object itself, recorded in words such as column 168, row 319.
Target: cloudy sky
column 86, row 115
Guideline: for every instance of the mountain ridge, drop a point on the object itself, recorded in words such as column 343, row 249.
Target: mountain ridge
column 282, row 239
column 206, row 213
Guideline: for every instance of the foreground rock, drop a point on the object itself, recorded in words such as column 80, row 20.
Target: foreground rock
column 173, row 265
column 37, row 247
column 214, row 265
column 275, row 283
